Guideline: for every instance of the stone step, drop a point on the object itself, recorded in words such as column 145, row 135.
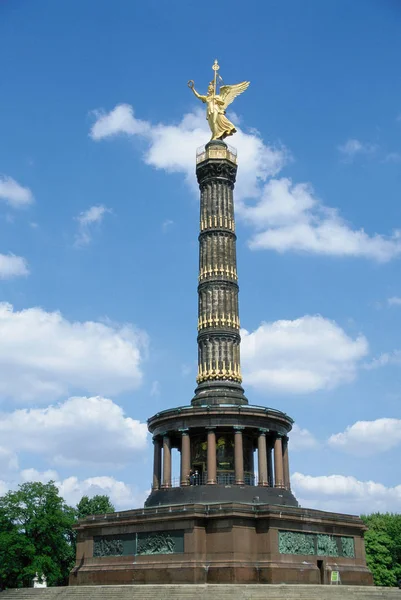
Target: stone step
column 203, row 592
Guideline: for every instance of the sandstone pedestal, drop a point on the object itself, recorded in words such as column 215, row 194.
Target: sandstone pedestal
column 220, row 543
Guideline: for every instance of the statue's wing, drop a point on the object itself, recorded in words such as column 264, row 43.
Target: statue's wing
column 229, row 92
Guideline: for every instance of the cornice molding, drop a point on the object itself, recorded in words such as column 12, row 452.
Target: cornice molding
column 220, row 170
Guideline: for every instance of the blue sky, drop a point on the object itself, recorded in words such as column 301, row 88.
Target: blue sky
column 99, row 224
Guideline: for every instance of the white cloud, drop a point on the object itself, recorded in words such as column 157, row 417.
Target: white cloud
column 285, row 217
column 12, row 266
column 367, row 438
column 86, row 220
column 4, row 487
column 155, row 388
column 122, row 495
column 302, row 439
column 8, row 460
column 392, row 157
column 290, row 217
column 353, row 147
column 384, row 360
column 172, row 147
column 394, row 301
column 301, row 356
column 81, row 430
column 29, row 475
column 120, row 120
column 13, row 193
column 345, row 494
column 44, row 356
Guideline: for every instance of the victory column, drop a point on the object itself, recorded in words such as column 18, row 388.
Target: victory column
column 220, row 522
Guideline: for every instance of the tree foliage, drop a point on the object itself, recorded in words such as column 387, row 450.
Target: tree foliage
column 36, row 533
column 98, row 505
column 36, row 536
column 383, row 547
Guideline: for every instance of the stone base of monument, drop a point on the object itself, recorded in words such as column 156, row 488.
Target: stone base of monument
column 221, row 543
column 204, row 592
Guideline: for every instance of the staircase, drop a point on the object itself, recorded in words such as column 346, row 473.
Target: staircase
column 203, row 592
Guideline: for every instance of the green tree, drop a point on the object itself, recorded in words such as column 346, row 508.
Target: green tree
column 98, row 505
column 379, row 558
column 36, row 535
column 17, row 553
column 383, row 547
column 393, row 528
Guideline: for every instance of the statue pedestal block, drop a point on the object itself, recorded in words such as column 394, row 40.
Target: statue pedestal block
column 220, row 543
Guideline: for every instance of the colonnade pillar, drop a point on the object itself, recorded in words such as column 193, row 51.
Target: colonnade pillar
column 238, row 456
column 166, row 462
column 157, row 463
column 278, row 463
column 262, row 458
column 211, row 457
column 279, row 476
column 286, row 464
column 185, row 457
column 270, row 471
column 251, row 480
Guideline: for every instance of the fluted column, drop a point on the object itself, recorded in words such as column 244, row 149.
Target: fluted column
column 157, row 463
column 278, row 463
column 211, row 457
column 286, row 464
column 238, row 456
column 185, row 457
column 166, row 462
column 249, row 478
column 219, row 366
column 262, row 459
column 270, row 471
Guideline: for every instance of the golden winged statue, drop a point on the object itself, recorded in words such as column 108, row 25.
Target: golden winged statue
column 217, row 103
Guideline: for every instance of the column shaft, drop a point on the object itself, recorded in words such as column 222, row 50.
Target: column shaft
column 185, row 458
column 211, row 457
column 270, row 472
column 238, row 457
column 262, row 460
column 250, row 477
column 286, row 465
column 157, row 463
column 278, row 463
column 166, row 462
column 219, row 370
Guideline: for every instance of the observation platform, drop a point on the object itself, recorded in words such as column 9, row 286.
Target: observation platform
column 218, row 444
column 216, row 150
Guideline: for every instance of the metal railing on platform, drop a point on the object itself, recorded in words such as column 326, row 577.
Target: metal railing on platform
column 221, row 479
column 227, row 151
